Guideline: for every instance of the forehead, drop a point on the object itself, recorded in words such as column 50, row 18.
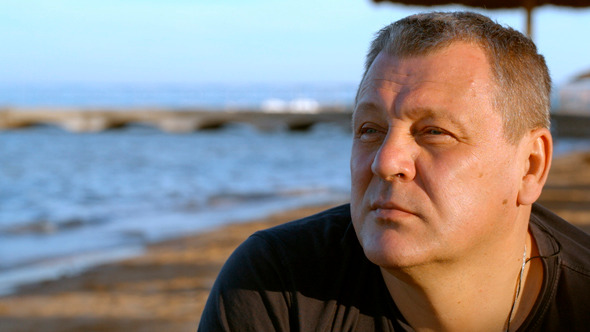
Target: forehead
column 456, row 76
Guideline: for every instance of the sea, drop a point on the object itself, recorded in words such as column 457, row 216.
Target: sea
column 70, row 201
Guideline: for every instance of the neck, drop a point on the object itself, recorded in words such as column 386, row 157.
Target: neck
column 473, row 294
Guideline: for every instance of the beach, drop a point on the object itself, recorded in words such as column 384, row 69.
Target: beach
column 165, row 289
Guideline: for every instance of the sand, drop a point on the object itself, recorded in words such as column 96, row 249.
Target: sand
column 166, row 288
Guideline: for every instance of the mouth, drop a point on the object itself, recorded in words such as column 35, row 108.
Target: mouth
column 390, row 211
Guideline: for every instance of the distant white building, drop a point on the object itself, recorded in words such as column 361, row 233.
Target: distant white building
column 304, row 105
column 299, row 105
column 274, row 106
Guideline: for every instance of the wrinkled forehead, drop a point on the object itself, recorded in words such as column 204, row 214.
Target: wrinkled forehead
column 461, row 67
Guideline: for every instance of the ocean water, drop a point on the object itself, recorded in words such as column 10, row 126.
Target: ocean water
column 69, row 199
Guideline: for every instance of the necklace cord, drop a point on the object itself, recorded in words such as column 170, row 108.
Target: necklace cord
column 519, row 283
column 525, row 260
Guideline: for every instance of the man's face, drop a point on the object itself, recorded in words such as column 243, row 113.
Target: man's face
column 433, row 176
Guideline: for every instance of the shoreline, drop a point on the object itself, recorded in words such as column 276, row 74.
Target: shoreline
column 223, row 211
column 166, row 287
column 163, row 289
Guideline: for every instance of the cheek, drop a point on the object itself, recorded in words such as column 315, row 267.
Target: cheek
column 360, row 169
column 361, row 176
column 460, row 186
column 454, row 183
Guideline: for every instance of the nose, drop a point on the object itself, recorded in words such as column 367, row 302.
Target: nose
column 395, row 159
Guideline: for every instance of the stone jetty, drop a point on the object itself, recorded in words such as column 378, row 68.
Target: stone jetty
column 564, row 123
column 174, row 121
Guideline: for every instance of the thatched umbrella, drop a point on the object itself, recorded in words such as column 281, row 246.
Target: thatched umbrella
column 582, row 77
column 529, row 5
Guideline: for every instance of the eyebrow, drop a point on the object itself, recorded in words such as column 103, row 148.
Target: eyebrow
column 365, row 107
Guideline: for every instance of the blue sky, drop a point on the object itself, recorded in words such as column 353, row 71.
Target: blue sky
column 230, row 41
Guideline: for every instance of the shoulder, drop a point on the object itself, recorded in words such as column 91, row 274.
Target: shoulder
column 281, row 247
column 310, row 246
column 572, row 243
column 275, row 275
column 319, row 230
column 307, row 241
column 565, row 251
column 291, row 276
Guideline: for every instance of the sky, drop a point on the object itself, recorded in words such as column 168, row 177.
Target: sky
column 232, row 41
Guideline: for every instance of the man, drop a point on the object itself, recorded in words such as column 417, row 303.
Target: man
column 451, row 149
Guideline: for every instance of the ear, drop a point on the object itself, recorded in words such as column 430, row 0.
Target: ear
column 538, row 150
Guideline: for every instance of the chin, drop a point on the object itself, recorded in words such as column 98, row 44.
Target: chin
column 389, row 253
column 394, row 262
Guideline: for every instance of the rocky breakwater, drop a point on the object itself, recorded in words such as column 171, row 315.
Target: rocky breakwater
column 174, row 121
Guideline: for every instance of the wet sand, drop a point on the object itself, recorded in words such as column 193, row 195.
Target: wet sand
column 166, row 289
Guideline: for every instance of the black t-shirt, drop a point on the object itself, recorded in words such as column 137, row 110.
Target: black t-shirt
column 312, row 275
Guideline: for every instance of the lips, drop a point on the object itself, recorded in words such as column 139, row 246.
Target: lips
column 390, row 210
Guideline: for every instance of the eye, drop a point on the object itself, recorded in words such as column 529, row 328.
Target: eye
column 369, row 133
column 435, row 131
column 435, row 136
